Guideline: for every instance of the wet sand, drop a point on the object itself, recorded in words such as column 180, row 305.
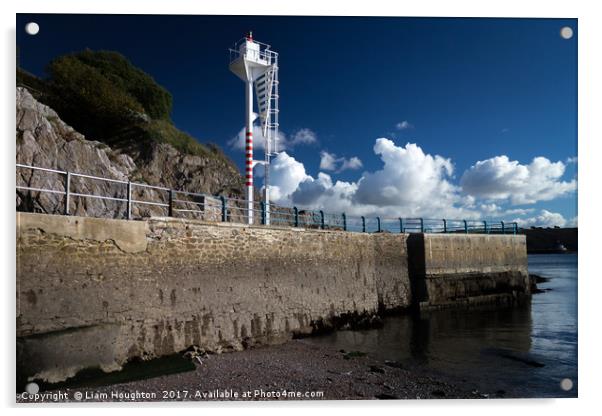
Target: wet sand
column 296, row 370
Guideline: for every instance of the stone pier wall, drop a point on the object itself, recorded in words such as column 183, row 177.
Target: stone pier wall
column 456, row 269
column 98, row 292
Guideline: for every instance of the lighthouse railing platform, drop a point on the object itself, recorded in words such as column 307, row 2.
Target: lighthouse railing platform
column 55, row 191
column 264, row 53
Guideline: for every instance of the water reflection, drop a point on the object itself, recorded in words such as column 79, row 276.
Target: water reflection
column 451, row 338
column 525, row 350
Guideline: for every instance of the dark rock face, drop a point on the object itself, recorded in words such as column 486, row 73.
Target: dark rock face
column 165, row 165
column 44, row 140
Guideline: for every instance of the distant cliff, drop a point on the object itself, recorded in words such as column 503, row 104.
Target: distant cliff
column 541, row 240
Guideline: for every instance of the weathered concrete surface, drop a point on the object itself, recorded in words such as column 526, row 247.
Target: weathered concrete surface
column 452, row 269
column 97, row 292
column 129, row 236
column 391, row 271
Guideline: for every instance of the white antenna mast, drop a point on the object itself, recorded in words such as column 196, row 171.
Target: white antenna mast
column 256, row 64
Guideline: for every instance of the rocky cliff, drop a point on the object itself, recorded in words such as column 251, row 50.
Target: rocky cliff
column 44, row 140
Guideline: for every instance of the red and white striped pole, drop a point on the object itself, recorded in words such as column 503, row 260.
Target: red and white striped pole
column 249, row 151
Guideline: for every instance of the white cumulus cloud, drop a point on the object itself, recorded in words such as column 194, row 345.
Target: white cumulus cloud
column 286, row 174
column 238, row 142
column 303, row 136
column 409, row 177
column 291, row 185
column 403, row 125
column 544, row 219
column 412, row 183
column 300, row 137
column 323, row 193
column 492, row 210
column 500, row 178
column 352, row 163
column 330, row 161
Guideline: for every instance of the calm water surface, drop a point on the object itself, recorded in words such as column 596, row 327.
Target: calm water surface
column 525, row 350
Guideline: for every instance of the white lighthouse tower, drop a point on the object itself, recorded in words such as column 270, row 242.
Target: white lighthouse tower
column 257, row 65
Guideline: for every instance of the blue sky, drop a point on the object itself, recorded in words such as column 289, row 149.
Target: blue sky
column 497, row 91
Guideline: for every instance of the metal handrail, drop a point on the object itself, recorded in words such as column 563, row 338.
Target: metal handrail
column 110, row 198
column 143, row 185
column 291, row 216
column 80, row 175
column 41, row 190
column 150, row 203
column 19, row 165
column 188, row 193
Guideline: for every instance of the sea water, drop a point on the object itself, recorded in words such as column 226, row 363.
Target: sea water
column 520, row 351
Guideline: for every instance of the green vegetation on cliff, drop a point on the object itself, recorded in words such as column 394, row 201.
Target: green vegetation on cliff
column 155, row 100
column 105, row 97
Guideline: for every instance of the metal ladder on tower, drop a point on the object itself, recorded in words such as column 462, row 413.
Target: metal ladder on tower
column 266, row 91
